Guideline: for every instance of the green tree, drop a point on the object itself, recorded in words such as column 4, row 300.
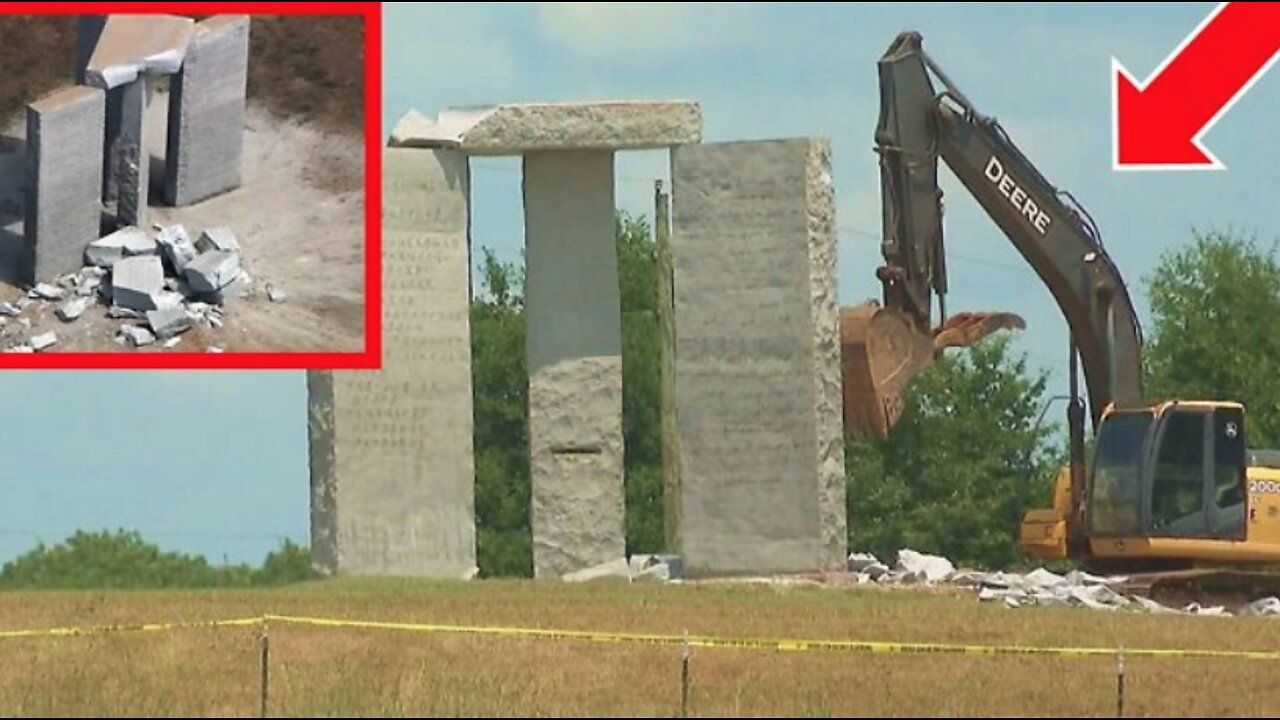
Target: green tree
column 109, row 560
column 963, row 464
column 501, row 436
column 1214, row 307
column 501, row 385
column 124, row 560
column 291, row 563
column 641, row 412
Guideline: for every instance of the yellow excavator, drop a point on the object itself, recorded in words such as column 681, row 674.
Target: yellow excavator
column 1172, row 485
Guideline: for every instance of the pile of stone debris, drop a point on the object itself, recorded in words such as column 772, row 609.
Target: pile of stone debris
column 914, row 569
column 636, row 568
column 1038, row 587
column 158, row 285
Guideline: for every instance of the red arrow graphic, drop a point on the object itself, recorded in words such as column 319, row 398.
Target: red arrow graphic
column 1158, row 124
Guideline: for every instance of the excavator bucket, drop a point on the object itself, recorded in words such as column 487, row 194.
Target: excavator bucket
column 882, row 350
column 966, row 329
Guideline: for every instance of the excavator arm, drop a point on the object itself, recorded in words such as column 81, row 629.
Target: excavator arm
column 1172, row 484
column 885, row 345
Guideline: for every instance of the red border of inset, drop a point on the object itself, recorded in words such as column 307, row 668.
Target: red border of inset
column 371, row 356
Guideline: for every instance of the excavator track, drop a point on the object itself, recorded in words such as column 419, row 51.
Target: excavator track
column 1206, row 586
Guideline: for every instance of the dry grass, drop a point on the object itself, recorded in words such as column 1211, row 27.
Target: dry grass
column 335, row 673
column 310, row 67
column 37, row 55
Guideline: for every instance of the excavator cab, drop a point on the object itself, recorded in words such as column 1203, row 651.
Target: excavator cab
column 1173, row 472
column 1176, row 471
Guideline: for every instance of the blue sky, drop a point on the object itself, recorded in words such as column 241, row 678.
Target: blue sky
column 215, row 463
column 768, row 70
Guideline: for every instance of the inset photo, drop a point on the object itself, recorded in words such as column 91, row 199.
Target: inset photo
column 186, row 184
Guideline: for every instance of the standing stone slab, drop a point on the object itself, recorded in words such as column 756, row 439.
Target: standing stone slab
column 64, row 181
column 207, row 112
column 130, row 164
column 574, row 349
column 758, row 359
column 129, row 49
column 392, row 477
column 111, row 134
column 88, row 30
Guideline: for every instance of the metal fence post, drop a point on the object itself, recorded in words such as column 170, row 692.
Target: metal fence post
column 685, row 654
column 266, row 668
column 1120, row 683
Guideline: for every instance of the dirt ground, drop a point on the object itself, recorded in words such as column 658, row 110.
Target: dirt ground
column 299, row 214
column 301, row 67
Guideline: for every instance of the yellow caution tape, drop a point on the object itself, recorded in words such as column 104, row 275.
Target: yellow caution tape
column 842, row 646
column 120, row 629
column 704, row 642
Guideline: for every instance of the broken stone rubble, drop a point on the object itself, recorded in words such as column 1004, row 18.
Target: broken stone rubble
column 1039, row 587
column 239, row 289
column 176, row 247
column 1266, row 607
column 136, row 336
column 137, row 282
column 219, row 238
column 44, row 341
column 125, row 242
column 88, row 285
column 139, row 276
column 933, row 569
column 212, row 271
column 170, row 300
column 205, row 314
column 115, row 312
column 168, row 323
column 45, row 291
column 637, row 568
column 72, row 311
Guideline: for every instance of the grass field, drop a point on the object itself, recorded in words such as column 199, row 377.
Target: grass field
column 322, row 672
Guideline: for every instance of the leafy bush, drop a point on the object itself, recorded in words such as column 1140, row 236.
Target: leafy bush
column 123, row 560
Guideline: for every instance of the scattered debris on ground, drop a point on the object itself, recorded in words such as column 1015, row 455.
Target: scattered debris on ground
column 637, row 568
column 300, row 214
column 1038, row 587
column 157, row 285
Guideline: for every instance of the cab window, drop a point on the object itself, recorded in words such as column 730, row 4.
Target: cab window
column 1229, row 462
column 1177, row 485
column 1115, row 494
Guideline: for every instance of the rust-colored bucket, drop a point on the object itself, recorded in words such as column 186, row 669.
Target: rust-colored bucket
column 881, row 351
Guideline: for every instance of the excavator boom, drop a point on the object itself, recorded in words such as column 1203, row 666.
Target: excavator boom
column 1172, row 484
column 884, row 345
